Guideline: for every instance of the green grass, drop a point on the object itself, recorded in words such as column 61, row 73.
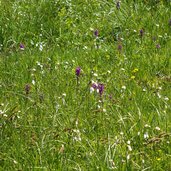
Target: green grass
column 50, row 119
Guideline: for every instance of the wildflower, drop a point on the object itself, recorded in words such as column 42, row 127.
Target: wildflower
column 144, row 90
column 128, row 142
column 96, row 33
column 146, row 136
column 157, row 128
column 132, row 77
column 94, row 85
column 158, row 46
column 135, row 70
column 118, row 5
column 27, row 88
column 95, row 74
column 129, row 147
column 128, row 157
column 141, row 33
column 21, row 46
column 101, row 89
column 119, row 47
column 41, row 47
column 124, row 87
column 33, row 82
column 166, row 98
column 78, row 71
column 147, row 126
column 91, row 89
column 104, row 110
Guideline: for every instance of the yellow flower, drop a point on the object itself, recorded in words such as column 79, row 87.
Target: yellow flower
column 135, row 70
column 132, row 77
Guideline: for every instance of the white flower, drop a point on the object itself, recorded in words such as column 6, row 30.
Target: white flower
column 64, row 94
column 158, row 95
column 166, row 98
column 33, row 82
column 128, row 142
column 40, row 47
column 121, row 133
column 104, row 110
column 146, row 135
column 95, row 74
column 124, row 87
column 157, row 128
column 129, row 148
column 144, row 90
column 128, row 157
column 91, row 89
column 147, row 126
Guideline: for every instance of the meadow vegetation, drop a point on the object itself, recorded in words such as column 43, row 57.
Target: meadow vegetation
column 85, row 85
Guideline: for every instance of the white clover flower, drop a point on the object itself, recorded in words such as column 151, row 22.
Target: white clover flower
column 144, row 90
column 147, row 126
column 146, row 136
column 124, row 87
column 91, row 89
column 33, row 82
column 158, row 95
column 121, row 133
column 64, row 94
column 128, row 157
column 157, row 128
column 95, row 74
column 160, row 88
column 166, row 98
column 129, row 148
column 128, row 142
column 40, row 47
column 104, row 110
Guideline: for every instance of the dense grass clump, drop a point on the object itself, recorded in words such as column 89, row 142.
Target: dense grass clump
column 85, row 85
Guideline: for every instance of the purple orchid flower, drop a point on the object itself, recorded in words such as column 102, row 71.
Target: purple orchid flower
column 96, row 33
column 21, row 46
column 78, row 71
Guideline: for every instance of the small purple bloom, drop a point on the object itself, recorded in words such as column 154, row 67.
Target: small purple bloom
column 96, row 33
column 101, row 89
column 78, row 71
column 21, row 46
column 119, row 47
column 94, row 85
column 158, row 46
column 141, row 32
column 27, row 88
column 118, row 5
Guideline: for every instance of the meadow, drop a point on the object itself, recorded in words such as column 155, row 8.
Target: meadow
column 85, row 85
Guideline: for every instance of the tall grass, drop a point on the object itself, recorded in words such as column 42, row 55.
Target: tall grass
column 113, row 115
